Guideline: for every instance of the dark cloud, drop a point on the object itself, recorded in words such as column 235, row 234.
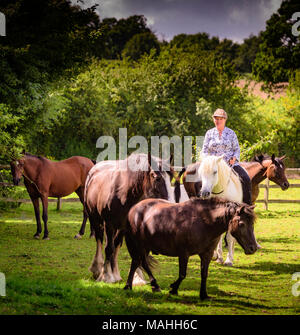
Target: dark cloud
column 234, row 19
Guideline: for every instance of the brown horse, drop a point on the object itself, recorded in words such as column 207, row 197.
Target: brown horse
column 44, row 178
column 260, row 168
column 112, row 188
column 182, row 230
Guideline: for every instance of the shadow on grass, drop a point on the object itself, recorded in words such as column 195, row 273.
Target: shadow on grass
column 277, row 268
column 277, row 214
column 285, row 240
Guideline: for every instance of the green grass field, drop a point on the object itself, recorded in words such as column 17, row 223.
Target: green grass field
column 52, row 277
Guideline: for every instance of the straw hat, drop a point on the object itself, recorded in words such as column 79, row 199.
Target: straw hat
column 220, row 113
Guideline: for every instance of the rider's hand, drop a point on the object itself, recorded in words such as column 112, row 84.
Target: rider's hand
column 232, row 161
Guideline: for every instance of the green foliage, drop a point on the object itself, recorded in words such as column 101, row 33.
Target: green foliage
column 140, row 44
column 279, row 54
column 276, row 124
column 11, row 143
column 246, row 54
column 116, row 33
column 156, row 95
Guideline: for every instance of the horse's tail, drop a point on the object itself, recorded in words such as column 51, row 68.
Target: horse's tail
column 177, row 191
column 151, row 262
column 225, row 240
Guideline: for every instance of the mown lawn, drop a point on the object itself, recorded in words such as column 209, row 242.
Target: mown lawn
column 52, row 277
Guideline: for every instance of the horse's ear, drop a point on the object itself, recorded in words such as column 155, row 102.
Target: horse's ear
column 273, row 158
column 240, row 210
column 149, row 159
column 258, row 158
column 171, row 160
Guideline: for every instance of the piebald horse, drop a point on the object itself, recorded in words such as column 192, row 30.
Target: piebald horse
column 112, row 188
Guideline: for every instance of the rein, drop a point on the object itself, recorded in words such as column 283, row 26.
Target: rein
column 31, row 181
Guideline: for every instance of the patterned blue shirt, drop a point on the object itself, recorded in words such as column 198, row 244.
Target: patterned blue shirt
column 228, row 144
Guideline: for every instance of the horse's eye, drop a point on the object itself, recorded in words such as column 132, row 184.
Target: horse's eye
column 215, row 172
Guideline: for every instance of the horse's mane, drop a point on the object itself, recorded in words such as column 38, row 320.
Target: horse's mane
column 127, row 180
column 219, row 202
column 33, row 156
column 224, row 171
column 118, row 179
column 260, row 158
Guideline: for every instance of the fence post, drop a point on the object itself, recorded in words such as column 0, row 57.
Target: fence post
column 266, row 196
column 58, row 204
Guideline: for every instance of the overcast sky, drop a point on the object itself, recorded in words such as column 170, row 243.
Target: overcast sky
column 233, row 19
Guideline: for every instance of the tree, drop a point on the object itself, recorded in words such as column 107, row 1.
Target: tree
column 246, row 54
column 279, row 51
column 140, row 44
column 116, row 33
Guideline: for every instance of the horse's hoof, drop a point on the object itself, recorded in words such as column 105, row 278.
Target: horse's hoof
column 36, row 236
column 92, row 235
column 228, row 264
column 156, row 289
column 219, row 260
column 258, row 246
column 78, row 237
column 118, row 278
column 205, row 297
column 106, row 278
column 127, row 287
column 46, row 238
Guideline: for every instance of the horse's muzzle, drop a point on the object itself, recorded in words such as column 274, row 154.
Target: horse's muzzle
column 285, row 185
column 251, row 249
column 204, row 194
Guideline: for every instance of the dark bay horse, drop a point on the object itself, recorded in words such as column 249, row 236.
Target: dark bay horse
column 182, row 230
column 44, row 178
column 112, row 188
